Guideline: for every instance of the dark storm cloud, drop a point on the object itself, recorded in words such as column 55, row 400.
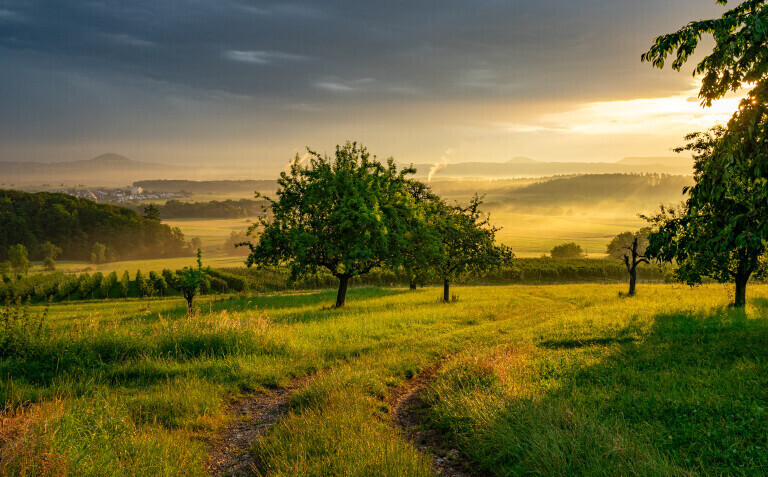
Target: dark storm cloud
column 316, row 49
column 79, row 77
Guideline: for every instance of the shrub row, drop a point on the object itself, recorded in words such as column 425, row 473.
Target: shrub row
column 60, row 286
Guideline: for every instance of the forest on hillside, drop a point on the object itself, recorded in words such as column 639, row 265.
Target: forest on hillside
column 76, row 225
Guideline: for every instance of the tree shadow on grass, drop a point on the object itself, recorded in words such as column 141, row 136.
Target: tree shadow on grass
column 688, row 395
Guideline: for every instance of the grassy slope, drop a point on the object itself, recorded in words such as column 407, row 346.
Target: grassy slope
column 565, row 379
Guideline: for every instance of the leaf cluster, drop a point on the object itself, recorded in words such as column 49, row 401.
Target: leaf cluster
column 347, row 213
column 720, row 231
column 740, row 54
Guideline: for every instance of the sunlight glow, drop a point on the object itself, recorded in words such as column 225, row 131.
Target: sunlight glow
column 679, row 114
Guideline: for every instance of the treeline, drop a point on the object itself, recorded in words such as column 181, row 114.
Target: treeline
column 244, row 187
column 76, row 225
column 225, row 209
column 59, row 286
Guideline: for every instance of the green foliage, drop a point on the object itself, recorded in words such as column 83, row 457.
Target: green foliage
column 50, row 252
column 141, row 284
column 99, row 253
column 465, row 242
column 151, row 212
column 738, row 57
column 75, row 225
column 125, row 283
column 567, row 250
column 108, row 283
column 190, row 281
column 159, row 284
column 345, row 213
column 720, row 231
column 18, row 256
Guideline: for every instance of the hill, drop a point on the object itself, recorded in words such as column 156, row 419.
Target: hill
column 76, row 224
column 114, row 170
column 597, row 194
column 526, row 167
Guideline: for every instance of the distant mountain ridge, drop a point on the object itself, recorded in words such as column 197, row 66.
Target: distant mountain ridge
column 114, row 170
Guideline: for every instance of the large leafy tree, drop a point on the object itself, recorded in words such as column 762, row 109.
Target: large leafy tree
column 347, row 213
column 467, row 242
column 740, row 54
column 720, row 231
column 423, row 242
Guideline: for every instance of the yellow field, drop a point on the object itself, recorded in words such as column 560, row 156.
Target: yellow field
column 534, row 235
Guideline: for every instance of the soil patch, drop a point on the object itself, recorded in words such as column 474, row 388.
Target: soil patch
column 253, row 415
column 408, row 411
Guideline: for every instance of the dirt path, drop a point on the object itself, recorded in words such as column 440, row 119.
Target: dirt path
column 408, row 411
column 253, row 415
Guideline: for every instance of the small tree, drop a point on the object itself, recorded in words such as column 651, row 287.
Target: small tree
column 151, row 212
column 141, row 283
column 107, row 283
column 158, row 283
column 630, row 248
column 347, row 214
column 19, row 258
column 466, row 242
column 189, row 281
column 50, row 252
column 99, row 253
column 125, row 284
column 567, row 250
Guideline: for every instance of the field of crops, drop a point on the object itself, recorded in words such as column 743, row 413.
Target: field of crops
column 564, row 379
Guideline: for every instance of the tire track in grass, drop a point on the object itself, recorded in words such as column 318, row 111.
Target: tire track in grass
column 407, row 409
column 253, row 414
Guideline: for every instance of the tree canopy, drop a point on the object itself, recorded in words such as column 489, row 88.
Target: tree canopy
column 720, row 231
column 346, row 213
column 75, row 225
column 465, row 242
column 567, row 250
column 739, row 56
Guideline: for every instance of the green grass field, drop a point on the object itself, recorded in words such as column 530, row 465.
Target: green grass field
column 569, row 379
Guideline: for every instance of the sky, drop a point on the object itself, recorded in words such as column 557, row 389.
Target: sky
column 255, row 82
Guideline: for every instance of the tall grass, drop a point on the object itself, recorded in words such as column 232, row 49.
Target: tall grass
column 542, row 379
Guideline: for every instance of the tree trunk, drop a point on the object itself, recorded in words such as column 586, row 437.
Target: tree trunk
column 446, row 291
column 189, row 303
column 741, row 291
column 412, row 284
column 341, row 296
column 632, row 282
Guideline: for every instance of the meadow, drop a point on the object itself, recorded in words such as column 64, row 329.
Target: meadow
column 564, row 379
